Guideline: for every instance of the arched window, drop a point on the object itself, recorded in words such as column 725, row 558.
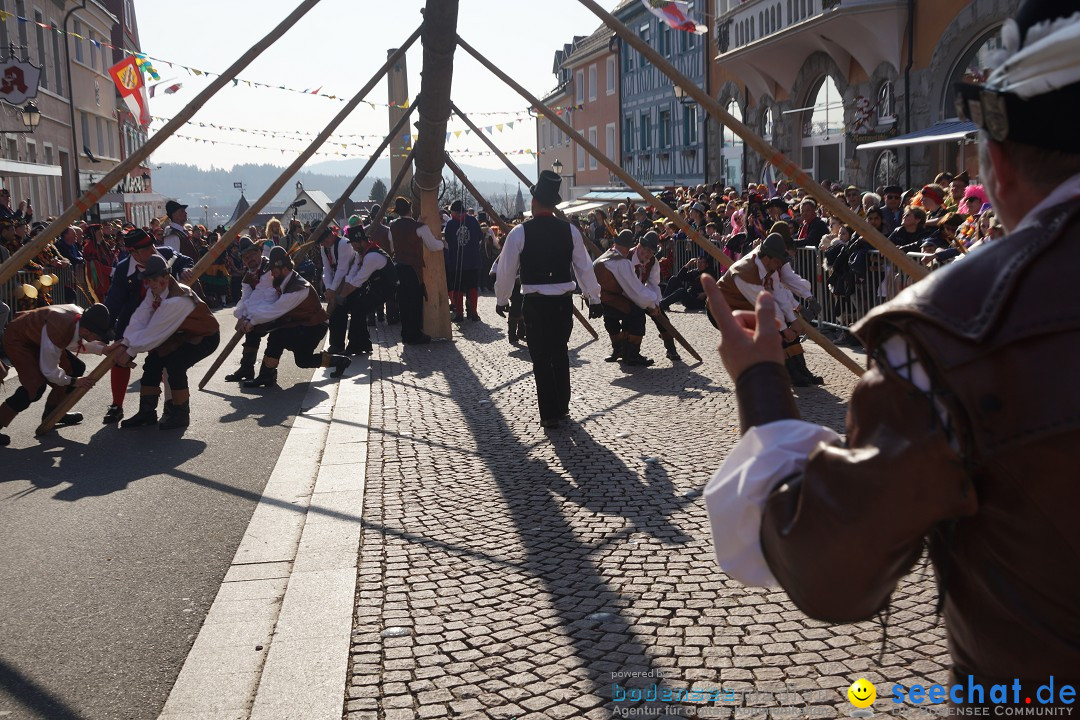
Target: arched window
column 761, row 23
column 767, row 125
column 886, row 103
column 826, row 116
column 974, row 65
column 789, row 18
column 886, row 169
column 731, row 150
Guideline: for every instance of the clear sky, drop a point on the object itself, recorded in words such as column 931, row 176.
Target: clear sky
column 339, row 45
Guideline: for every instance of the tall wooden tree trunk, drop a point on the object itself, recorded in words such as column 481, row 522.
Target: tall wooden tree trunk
column 439, row 37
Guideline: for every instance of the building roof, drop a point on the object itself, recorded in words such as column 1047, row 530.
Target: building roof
column 599, row 40
column 242, row 206
column 320, row 199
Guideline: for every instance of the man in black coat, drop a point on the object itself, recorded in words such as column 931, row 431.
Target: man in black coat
column 126, row 291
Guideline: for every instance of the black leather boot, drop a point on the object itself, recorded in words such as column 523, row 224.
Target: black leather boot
column 147, row 414
column 267, row 378
column 178, row 417
column 246, row 371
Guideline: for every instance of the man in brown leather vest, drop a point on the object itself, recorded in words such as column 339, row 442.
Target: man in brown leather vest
column 409, row 238
column 43, row 346
column 175, row 329
column 294, row 319
column 963, row 432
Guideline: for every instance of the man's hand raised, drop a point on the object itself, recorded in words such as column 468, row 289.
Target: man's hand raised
column 746, row 338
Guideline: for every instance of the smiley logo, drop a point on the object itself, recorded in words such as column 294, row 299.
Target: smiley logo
column 862, row 693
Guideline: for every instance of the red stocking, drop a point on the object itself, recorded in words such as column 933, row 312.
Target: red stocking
column 120, row 378
column 473, row 293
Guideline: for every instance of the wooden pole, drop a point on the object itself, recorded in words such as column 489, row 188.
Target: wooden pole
column 227, row 238
column 615, row 168
column 230, row 235
column 321, row 227
column 222, row 356
column 27, row 253
column 494, row 148
column 397, row 93
column 436, row 79
column 398, row 180
column 757, row 143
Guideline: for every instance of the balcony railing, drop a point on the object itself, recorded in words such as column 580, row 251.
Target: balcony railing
column 748, row 22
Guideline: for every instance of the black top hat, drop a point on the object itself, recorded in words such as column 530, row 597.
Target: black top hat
column 279, row 258
column 402, row 205
column 96, row 319
column 546, row 189
column 172, row 206
column 246, row 245
column 137, row 238
column 624, row 238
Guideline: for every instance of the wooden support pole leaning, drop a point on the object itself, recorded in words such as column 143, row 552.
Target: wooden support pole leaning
column 505, row 227
column 27, row 253
column 640, row 189
column 317, row 232
column 221, row 358
column 494, row 148
column 230, row 235
column 760, row 146
column 321, row 227
column 241, row 222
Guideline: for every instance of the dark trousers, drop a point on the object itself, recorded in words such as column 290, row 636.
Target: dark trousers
column 548, row 322
column 632, row 323
column 301, row 339
column 360, row 305
column 343, row 321
column 410, row 297
column 178, row 362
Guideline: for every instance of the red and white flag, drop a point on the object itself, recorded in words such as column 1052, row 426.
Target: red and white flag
column 129, row 81
column 673, row 12
column 168, row 87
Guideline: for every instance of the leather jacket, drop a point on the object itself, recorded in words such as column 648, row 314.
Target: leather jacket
column 982, row 467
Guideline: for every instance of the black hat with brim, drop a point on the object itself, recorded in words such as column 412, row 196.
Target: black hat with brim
column 546, row 189
column 279, row 258
column 774, row 247
column 625, row 238
column 650, row 240
column 97, row 320
column 155, row 266
column 246, row 245
column 137, row 238
column 172, row 206
column 402, row 205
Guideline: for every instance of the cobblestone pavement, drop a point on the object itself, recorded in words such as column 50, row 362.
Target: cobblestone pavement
column 509, row 572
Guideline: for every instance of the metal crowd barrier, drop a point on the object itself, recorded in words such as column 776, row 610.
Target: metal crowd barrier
column 881, row 283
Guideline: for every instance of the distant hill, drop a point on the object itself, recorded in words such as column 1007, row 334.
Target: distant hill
column 197, row 187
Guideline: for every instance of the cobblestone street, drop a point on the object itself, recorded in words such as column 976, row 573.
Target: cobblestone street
column 509, row 572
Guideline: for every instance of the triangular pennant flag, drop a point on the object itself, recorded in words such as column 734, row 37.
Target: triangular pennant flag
column 499, row 127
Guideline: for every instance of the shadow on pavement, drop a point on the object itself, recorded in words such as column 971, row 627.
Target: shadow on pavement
column 157, row 450
column 33, row 697
column 269, row 406
column 534, row 494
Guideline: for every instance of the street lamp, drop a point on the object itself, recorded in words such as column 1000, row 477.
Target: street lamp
column 681, row 96
column 31, row 116
column 557, row 167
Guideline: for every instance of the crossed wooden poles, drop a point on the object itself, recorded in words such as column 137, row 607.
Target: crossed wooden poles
column 203, row 264
column 771, row 155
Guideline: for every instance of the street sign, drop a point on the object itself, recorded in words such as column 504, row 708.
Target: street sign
column 238, row 185
column 19, row 81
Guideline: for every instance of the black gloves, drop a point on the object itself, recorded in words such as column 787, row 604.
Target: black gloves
column 501, row 310
column 596, row 310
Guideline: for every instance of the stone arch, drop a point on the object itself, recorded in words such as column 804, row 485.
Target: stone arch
column 970, row 26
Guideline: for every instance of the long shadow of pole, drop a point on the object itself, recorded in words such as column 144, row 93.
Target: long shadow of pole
column 594, row 483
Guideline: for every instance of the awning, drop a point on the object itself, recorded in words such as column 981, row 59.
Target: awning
column 586, row 207
column 613, row 197
column 13, row 168
column 134, row 198
column 943, row 131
